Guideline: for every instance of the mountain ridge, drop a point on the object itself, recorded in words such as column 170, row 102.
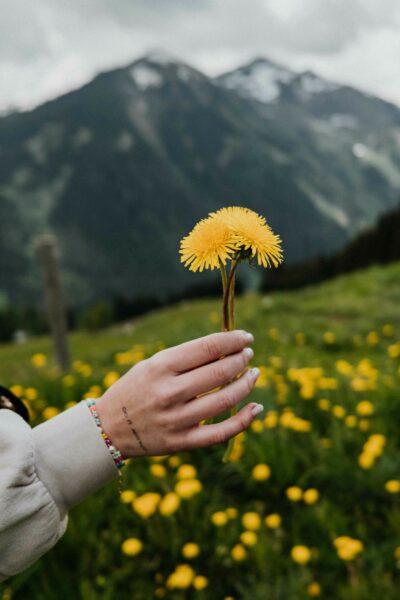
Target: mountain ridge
column 125, row 165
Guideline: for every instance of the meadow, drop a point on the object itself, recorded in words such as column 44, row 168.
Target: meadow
column 309, row 505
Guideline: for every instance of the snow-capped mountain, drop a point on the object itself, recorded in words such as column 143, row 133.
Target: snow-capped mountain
column 123, row 167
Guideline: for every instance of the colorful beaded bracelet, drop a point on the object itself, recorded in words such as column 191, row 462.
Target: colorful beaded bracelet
column 116, row 454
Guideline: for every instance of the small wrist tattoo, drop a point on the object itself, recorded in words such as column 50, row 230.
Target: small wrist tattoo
column 135, row 433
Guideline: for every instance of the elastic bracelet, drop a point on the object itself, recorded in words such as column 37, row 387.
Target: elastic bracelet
column 116, row 454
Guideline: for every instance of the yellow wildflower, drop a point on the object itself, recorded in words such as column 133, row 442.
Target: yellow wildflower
column 169, row 504
column 209, row 242
column 238, row 552
column 251, row 233
column 219, row 518
column 338, row 411
column 329, row 337
column 186, row 488
column 273, row 521
column 251, row 520
column 146, row 505
column 314, row 589
column 131, row 546
column 31, row 393
column 39, row 360
column 181, row 578
column 261, row 472
column 347, row 547
column 127, row 496
column 200, row 582
column 110, row 378
column 294, row 493
column 248, row 538
column 301, row 554
column 186, row 471
column 190, row 550
column 158, row 470
column 392, row 486
column 50, row 412
column 365, row 408
column 311, row 496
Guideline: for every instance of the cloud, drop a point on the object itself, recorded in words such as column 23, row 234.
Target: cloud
column 49, row 47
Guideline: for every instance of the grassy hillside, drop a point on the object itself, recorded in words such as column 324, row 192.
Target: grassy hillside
column 329, row 359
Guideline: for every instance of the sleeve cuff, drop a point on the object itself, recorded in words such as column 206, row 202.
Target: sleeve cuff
column 72, row 459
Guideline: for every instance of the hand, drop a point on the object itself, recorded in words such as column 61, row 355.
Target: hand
column 153, row 409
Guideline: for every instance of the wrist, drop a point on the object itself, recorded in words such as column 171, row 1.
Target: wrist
column 113, row 424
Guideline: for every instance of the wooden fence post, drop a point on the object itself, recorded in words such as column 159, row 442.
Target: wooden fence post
column 47, row 253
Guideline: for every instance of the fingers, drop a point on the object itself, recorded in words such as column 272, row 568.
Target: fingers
column 219, row 433
column 219, row 402
column 210, row 376
column 204, row 350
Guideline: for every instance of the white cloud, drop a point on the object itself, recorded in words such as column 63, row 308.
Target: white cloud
column 49, row 47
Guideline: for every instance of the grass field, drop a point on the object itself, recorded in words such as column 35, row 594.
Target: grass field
column 309, row 507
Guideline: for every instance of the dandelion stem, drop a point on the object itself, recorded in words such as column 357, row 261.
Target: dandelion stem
column 228, row 300
column 229, row 322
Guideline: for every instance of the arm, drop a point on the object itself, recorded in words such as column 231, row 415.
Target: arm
column 43, row 473
column 153, row 409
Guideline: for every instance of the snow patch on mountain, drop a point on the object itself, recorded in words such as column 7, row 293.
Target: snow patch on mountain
column 146, row 77
column 335, row 213
column 308, row 84
column 262, row 80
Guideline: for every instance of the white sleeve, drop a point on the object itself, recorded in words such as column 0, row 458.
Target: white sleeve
column 45, row 471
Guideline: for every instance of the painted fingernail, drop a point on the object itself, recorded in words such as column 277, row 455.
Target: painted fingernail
column 248, row 352
column 254, row 373
column 257, row 409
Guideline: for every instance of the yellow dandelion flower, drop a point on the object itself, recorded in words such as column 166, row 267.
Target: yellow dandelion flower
column 39, row 360
column 248, row 538
column 209, row 242
column 131, row 546
column 181, row 578
column 311, row 496
column 127, row 496
column 251, row 520
column 219, row 518
column 301, row 554
column 146, row 505
column 169, row 504
column 261, row 472
column 238, row 552
column 50, row 412
column 31, row 393
column 252, row 233
column 392, row 486
column 314, row 589
column 186, row 471
column 158, row 470
column 190, row 550
column 365, row 408
column 294, row 493
column 186, row 488
column 273, row 521
column 200, row 582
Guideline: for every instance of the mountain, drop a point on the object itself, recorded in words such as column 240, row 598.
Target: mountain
column 123, row 167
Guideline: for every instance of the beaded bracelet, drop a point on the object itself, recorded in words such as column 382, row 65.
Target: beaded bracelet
column 116, row 454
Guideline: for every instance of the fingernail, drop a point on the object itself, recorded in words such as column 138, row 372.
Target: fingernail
column 257, row 409
column 254, row 373
column 249, row 338
column 248, row 352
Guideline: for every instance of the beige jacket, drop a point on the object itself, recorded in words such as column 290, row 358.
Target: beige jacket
column 45, row 471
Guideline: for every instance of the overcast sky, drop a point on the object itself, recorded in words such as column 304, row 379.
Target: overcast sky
column 48, row 47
